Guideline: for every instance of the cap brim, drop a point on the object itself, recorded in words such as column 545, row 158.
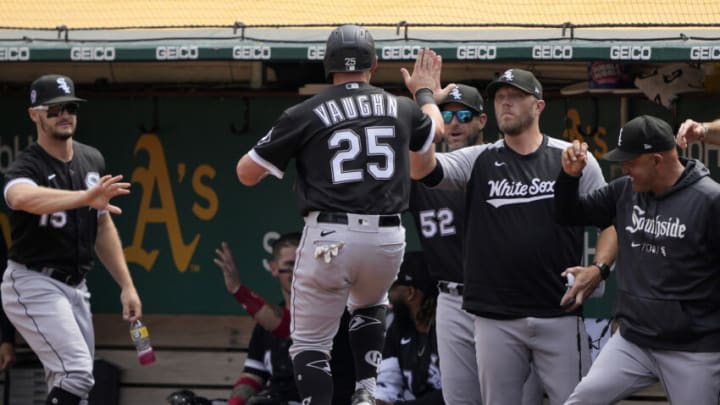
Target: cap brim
column 493, row 86
column 61, row 99
column 617, row 155
column 468, row 105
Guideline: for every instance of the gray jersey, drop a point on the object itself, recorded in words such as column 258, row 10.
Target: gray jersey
column 514, row 271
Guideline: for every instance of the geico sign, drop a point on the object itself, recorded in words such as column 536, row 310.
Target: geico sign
column 316, row 52
column 552, row 52
column 701, row 53
column 92, row 53
column 251, row 52
column 14, row 54
column 477, row 52
column 400, row 52
column 630, row 52
column 176, row 52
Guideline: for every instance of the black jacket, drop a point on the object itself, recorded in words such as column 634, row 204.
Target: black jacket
column 668, row 263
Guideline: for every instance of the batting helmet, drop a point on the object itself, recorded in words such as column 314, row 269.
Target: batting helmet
column 349, row 48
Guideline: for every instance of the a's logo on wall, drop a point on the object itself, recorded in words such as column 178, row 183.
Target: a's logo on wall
column 592, row 133
column 157, row 205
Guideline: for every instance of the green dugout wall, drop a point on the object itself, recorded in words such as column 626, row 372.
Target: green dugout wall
column 180, row 152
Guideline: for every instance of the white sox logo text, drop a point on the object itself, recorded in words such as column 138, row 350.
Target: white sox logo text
column 505, row 192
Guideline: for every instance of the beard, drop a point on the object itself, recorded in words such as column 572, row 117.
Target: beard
column 52, row 131
column 402, row 315
column 516, row 127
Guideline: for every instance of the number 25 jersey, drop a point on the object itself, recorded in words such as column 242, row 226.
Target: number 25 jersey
column 351, row 145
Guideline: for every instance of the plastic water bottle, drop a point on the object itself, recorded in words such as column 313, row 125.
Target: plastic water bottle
column 141, row 339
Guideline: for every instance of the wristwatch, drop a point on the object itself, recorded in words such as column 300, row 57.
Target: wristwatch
column 604, row 269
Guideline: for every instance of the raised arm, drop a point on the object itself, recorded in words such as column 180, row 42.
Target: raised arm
column 691, row 131
column 271, row 317
column 424, row 85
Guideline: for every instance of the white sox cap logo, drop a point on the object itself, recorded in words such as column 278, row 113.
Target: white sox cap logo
column 508, row 75
column 456, row 93
column 63, row 85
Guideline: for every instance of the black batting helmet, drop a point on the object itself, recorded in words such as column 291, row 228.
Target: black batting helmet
column 349, row 48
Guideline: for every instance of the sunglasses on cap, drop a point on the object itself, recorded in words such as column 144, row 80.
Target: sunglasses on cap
column 463, row 116
column 56, row 109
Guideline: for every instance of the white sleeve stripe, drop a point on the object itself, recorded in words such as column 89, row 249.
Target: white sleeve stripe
column 257, row 365
column 429, row 140
column 267, row 165
column 13, row 182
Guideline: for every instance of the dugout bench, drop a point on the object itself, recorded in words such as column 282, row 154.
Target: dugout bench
column 202, row 353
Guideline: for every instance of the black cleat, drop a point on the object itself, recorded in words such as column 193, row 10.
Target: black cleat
column 362, row 397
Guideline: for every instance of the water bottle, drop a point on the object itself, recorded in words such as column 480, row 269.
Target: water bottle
column 141, row 340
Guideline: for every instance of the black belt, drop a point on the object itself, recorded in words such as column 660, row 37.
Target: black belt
column 61, row 275
column 450, row 287
column 342, row 218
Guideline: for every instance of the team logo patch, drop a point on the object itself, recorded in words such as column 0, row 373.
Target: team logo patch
column 91, row 179
column 322, row 365
column 33, row 97
column 63, row 85
column 373, row 358
column 361, row 321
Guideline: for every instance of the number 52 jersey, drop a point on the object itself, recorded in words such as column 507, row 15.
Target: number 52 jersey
column 351, row 145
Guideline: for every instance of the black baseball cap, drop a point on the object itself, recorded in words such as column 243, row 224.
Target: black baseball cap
column 519, row 78
column 466, row 95
column 52, row 89
column 643, row 134
column 414, row 272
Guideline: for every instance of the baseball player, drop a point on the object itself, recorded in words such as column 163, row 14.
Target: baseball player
column 59, row 196
column 440, row 216
column 268, row 374
column 515, row 253
column 351, row 146
column 667, row 213
column 7, row 330
column 409, row 372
